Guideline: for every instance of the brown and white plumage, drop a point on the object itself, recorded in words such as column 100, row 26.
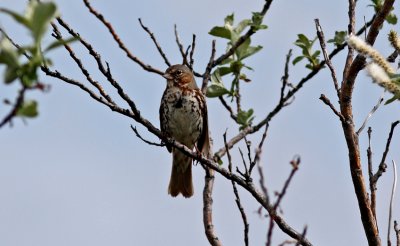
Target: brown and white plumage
column 183, row 116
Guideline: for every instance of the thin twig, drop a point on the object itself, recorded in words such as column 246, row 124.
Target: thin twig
column 257, row 156
column 242, row 38
column 350, row 30
column 237, row 199
column 117, row 39
column 13, row 112
column 392, row 201
column 246, row 173
column 370, row 114
column 382, row 165
column 289, row 96
column 144, row 140
column 180, row 46
column 151, row 34
column 324, row 99
column 295, row 166
column 371, row 174
column 328, row 62
column 104, row 70
column 303, row 235
column 285, row 77
column 192, row 51
column 96, row 84
column 257, row 162
column 228, row 108
column 206, row 74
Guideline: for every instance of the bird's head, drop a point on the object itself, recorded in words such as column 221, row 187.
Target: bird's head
column 180, row 75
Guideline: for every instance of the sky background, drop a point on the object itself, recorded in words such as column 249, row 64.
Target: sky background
column 77, row 175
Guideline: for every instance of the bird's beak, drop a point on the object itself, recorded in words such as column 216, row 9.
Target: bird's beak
column 168, row 76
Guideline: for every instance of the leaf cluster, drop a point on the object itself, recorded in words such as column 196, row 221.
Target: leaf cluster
column 36, row 19
column 306, row 46
column 234, row 64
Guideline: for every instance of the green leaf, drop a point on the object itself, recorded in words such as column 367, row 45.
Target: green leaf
column 242, row 49
column 8, row 54
column 216, row 90
column 224, row 70
column 257, row 18
column 297, row 59
column 28, row 109
column 221, row 32
column 17, row 17
column 244, row 118
column 339, row 38
column 28, row 74
column 10, row 74
column 394, row 98
column 236, row 66
column 391, row 19
column 216, row 87
column 42, row 14
column 251, row 51
column 59, row 43
column 242, row 25
column 229, row 19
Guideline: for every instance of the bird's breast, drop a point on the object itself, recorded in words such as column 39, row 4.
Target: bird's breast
column 183, row 115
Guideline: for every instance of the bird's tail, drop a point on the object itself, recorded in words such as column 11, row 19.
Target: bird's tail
column 181, row 175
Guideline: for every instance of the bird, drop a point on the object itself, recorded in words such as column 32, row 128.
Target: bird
column 183, row 117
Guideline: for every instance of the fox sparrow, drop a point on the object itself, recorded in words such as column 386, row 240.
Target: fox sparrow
column 183, row 116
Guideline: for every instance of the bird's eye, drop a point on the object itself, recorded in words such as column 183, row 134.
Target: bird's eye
column 178, row 72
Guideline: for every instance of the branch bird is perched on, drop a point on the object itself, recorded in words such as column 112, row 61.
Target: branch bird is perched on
column 183, row 116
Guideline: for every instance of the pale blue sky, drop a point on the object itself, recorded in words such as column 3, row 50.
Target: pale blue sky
column 77, row 175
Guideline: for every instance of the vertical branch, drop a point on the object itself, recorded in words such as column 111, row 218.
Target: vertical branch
column 392, row 201
column 191, row 61
column 207, row 208
column 349, row 76
column 206, row 75
column 328, row 62
column 237, row 198
column 397, row 231
column 371, row 174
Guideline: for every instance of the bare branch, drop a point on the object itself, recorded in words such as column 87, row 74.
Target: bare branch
column 295, row 166
column 397, row 231
column 392, row 201
column 328, row 62
column 328, row 102
column 192, row 51
column 371, row 175
column 151, row 34
column 227, row 107
column 206, row 75
column 350, row 73
column 96, row 84
column 370, row 114
column 285, row 77
column 207, row 208
column 303, row 235
column 117, row 39
column 382, row 164
column 237, row 200
column 17, row 104
column 180, row 46
column 144, row 140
